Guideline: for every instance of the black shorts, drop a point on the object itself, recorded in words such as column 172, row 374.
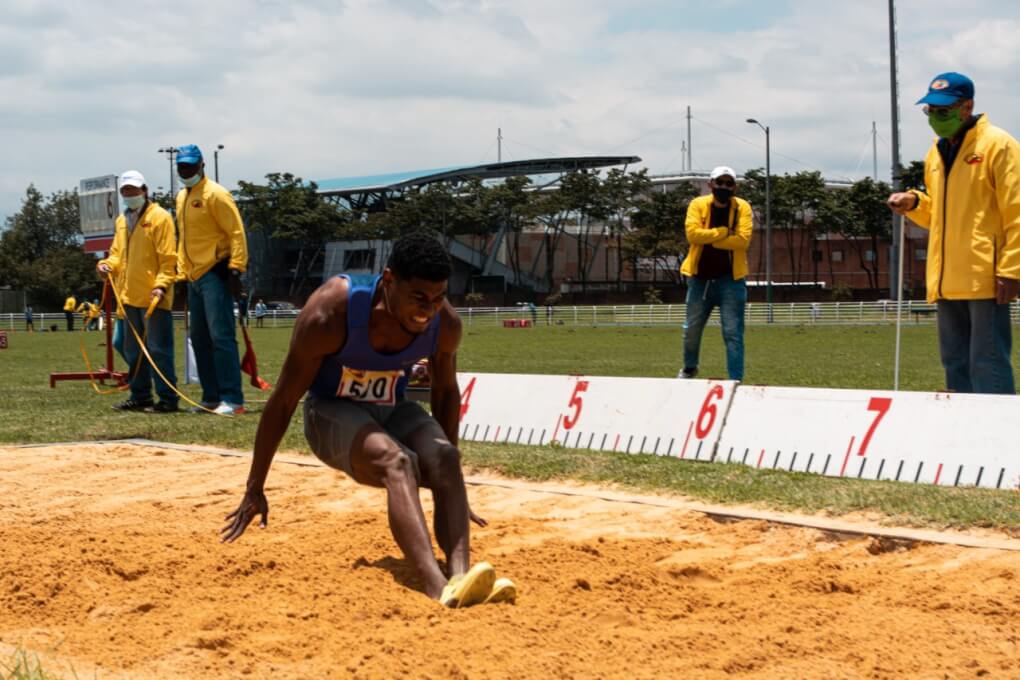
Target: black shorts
column 332, row 424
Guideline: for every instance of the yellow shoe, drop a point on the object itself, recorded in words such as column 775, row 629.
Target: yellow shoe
column 503, row 590
column 469, row 589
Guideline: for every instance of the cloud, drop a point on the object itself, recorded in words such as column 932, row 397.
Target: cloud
column 327, row 89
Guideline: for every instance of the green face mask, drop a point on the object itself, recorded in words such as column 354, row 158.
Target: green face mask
column 946, row 127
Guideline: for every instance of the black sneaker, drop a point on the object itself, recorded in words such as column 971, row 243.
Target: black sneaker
column 133, row 405
column 163, row 407
column 687, row 373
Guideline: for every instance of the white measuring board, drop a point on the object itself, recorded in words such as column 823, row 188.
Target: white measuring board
column 918, row 437
column 663, row 416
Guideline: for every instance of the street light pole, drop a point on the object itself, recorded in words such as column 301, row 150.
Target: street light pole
column 216, row 163
column 171, row 152
column 768, row 216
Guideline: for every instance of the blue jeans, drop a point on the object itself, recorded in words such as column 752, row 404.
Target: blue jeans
column 214, row 339
column 118, row 340
column 160, row 342
column 975, row 338
column 704, row 295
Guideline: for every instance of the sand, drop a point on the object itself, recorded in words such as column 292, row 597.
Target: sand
column 110, row 564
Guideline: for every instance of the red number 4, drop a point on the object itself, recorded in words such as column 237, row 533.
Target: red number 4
column 575, row 403
column 465, row 398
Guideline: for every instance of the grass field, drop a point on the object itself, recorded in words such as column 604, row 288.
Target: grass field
column 782, row 355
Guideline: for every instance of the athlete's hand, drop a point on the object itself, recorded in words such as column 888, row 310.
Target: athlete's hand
column 480, row 521
column 103, row 268
column 253, row 503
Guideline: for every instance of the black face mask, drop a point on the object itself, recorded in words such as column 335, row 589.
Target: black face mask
column 722, row 194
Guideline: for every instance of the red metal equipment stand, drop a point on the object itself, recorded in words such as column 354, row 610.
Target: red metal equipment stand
column 108, row 373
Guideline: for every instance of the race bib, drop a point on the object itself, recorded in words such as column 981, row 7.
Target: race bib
column 373, row 387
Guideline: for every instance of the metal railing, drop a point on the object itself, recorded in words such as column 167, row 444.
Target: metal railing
column 914, row 312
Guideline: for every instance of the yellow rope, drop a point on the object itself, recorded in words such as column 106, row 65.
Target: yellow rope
column 85, row 355
column 145, row 350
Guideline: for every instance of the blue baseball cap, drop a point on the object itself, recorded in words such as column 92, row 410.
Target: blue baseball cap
column 190, row 154
column 947, row 89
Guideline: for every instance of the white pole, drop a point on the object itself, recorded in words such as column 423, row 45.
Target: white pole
column 899, row 304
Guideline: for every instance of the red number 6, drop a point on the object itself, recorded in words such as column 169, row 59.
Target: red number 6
column 709, row 410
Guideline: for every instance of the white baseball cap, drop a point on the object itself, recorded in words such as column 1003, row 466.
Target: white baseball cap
column 723, row 170
column 132, row 178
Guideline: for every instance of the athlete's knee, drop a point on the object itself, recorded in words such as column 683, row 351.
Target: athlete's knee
column 446, row 466
column 393, row 465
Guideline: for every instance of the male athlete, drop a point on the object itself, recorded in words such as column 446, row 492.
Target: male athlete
column 352, row 348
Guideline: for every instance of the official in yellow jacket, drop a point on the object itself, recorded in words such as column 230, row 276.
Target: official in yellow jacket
column 212, row 254
column 70, row 304
column 971, row 208
column 143, row 266
column 718, row 228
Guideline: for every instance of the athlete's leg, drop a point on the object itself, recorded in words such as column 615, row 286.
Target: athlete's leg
column 345, row 435
column 439, row 462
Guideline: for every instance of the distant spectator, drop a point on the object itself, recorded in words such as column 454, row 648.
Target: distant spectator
column 86, row 310
column 718, row 228
column 242, row 310
column 260, row 313
column 70, row 304
column 971, row 208
column 29, row 323
column 95, row 314
column 534, row 313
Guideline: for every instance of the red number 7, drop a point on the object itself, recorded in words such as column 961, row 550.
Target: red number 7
column 881, row 405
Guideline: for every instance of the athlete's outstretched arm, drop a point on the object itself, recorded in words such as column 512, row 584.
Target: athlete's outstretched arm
column 320, row 330
column 445, row 392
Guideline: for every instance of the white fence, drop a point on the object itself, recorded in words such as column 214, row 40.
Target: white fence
column 16, row 322
column 914, row 312
column 756, row 313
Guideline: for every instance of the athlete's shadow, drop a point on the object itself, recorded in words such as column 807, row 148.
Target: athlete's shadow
column 402, row 571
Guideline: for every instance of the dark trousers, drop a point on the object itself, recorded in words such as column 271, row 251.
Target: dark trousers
column 975, row 338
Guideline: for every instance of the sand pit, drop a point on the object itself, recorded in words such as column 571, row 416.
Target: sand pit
column 109, row 561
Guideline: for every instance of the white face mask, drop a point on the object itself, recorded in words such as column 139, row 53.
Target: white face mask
column 134, row 202
column 191, row 181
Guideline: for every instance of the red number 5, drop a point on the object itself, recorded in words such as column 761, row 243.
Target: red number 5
column 576, row 403
column 708, row 410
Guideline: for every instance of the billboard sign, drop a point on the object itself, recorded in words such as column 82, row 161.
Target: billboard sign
column 99, row 206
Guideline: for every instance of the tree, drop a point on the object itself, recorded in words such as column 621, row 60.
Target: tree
column 625, row 192
column 861, row 216
column 657, row 230
column 41, row 250
column 585, row 198
column 912, row 176
column 289, row 208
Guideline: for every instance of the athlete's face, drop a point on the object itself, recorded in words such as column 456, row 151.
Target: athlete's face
column 413, row 302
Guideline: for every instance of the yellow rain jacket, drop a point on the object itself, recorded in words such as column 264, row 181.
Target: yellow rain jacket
column 735, row 238
column 972, row 216
column 210, row 230
column 70, row 303
column 146, row 259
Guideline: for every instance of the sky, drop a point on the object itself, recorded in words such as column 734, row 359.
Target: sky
column 337, row 88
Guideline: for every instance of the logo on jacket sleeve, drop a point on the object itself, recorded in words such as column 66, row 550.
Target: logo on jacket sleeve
column 973, row 159
column 196, row 203
column 146, row 225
